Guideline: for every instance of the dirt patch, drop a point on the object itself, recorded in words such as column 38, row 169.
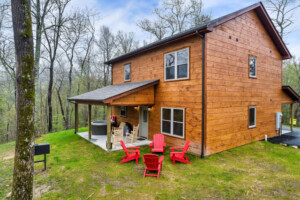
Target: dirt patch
column 7, row 155
column 38, row 191
column 102, row 191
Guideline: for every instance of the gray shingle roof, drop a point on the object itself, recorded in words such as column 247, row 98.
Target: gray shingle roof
column 101, row 94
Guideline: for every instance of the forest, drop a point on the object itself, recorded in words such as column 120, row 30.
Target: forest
column 71, row 46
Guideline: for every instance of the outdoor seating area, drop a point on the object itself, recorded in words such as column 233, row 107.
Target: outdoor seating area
column 152, row 161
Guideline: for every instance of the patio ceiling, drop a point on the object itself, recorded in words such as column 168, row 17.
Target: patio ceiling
column 126, row 94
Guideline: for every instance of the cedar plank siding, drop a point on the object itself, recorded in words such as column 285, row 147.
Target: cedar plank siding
column 230, row 91
column 143, row 97
column 181, row 94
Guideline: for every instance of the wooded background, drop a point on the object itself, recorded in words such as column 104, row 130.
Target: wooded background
column 71, row 48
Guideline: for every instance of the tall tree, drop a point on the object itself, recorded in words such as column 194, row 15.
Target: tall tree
column 40, row 8
column 126, row 42
column 107, row 47
column 175, row 16
column 52, row 36
column 72, row 34
column 23, row 164
column 282, row 14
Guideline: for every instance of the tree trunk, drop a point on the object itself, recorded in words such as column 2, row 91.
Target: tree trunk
column 50, row 87
column 37, row 55
column 61, row 106
column 68, row 96
column 23, row 164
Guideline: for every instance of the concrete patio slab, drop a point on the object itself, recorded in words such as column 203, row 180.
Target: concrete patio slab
column 100, row 140
column 290, row 138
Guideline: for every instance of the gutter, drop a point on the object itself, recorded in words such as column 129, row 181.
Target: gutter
column 202, row 36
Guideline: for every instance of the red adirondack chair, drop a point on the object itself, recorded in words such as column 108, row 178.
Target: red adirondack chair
column 180, row 156
column 153, row 164
column 130, row 154
column 158, row 143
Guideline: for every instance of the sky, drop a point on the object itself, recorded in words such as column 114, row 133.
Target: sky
column 124, row 15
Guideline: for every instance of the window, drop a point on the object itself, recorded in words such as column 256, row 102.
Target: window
column 252, row 116
column 252, row 66
column 172, row 121
column 123, row 111
column 177, row 65
column 127, row 72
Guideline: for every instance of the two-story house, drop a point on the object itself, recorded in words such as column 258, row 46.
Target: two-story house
column 218, row 85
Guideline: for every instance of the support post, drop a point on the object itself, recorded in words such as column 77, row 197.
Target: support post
column 90, row 121
column 292, row 117
column 108, row 127
column 76, row 118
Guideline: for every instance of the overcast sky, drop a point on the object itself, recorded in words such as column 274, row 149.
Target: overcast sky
column 124, row 14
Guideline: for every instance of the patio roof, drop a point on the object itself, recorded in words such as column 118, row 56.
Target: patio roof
column 291, row 93
column 113, row 93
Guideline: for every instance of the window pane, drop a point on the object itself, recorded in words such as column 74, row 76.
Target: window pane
column 166, row 127
column 127, row 72
column 178, row 129
column 145, row 115
column 170, row 73
column 166, row 114
column 251, row 116
column 182, row 71
column 170, row 60
column 178, row 115
column 252, row 66
column 182, row 57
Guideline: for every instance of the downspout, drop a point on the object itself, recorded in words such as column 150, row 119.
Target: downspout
column 203, row 91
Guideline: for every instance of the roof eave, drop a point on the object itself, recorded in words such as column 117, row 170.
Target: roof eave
column 291, row 93
column 203, row 30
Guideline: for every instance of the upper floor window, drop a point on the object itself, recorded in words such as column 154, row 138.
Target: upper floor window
column 252, row 116
column 127, row 72
column 177, row 65
column 252, row 66
column 172, row 121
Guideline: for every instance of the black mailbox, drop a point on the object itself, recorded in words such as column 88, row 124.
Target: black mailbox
column 42, row 149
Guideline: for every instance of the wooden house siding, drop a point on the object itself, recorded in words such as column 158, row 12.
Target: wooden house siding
column 177, row 94
column 230, row 90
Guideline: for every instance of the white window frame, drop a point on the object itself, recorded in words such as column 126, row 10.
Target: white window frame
column 175, row 76
column 129, row 72
column 251, row 76
column 251, row 107
column 121, row 111
column 172, row 121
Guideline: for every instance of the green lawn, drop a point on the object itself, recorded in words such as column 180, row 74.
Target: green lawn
column 78, row 169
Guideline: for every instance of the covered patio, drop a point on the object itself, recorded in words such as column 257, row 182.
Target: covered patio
column 127, row 94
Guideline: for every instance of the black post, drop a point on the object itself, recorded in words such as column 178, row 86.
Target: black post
column 45, row 162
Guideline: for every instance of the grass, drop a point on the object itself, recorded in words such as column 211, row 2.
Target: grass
column 78, row 169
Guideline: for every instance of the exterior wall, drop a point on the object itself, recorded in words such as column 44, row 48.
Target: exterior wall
column 180, row 93
column 230, row 91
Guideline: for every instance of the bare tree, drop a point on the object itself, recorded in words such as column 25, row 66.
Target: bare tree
column 73, row 32
column 175, row 16
column 282, row 14
column 52, row 35
column 40, row 9
column 84, row 55
column 23, row 164
column 126, row 42
column 156, row 28
column 107, row 47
